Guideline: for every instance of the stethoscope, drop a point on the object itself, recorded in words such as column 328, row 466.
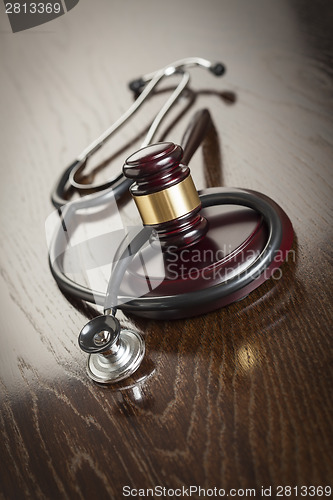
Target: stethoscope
column 116, row 353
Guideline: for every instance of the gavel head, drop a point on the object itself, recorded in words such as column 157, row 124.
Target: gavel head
column 165, row 195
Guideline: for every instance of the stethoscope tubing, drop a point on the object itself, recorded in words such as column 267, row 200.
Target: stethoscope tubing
column 249, row 199
column 119, row 183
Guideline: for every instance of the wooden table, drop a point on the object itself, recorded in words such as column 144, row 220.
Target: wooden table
column 240, row 398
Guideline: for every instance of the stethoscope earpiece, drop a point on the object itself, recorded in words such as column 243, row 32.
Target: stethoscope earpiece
column 217, row 69
column 114, row 353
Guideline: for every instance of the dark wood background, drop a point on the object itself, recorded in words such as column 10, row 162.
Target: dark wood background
column 241, row 397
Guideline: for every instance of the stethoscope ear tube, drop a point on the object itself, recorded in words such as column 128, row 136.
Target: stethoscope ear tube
column 147, row 83
column 57, row 194
column 120, row 185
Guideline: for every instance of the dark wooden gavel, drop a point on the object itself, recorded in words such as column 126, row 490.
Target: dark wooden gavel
column 163, row 189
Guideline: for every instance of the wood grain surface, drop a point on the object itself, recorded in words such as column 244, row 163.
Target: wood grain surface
column 241, row 397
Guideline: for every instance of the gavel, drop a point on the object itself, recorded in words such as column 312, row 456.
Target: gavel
column 165, row 195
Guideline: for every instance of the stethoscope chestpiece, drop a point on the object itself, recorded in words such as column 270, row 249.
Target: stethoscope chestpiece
column 114, row 353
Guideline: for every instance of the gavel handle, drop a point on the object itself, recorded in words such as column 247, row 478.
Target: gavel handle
column 195, row 134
